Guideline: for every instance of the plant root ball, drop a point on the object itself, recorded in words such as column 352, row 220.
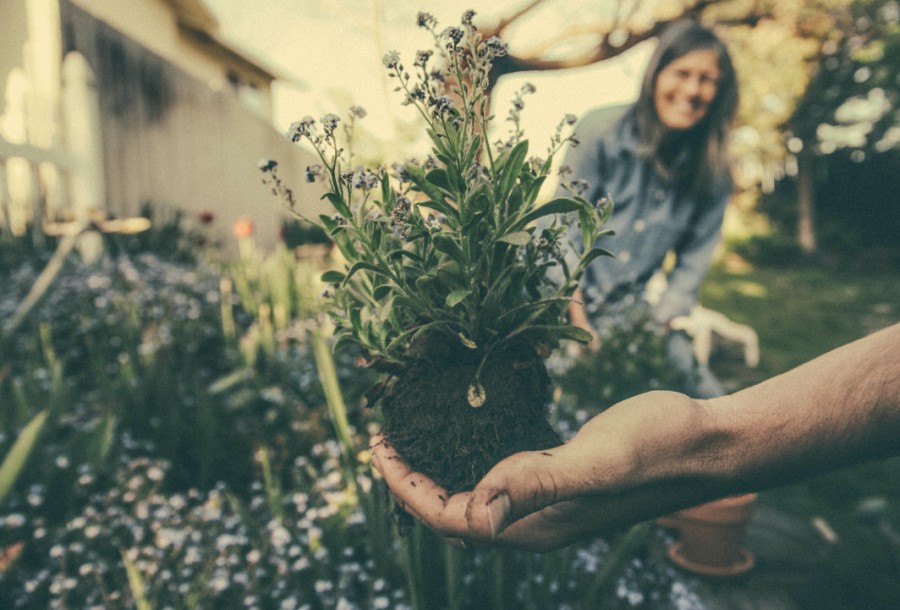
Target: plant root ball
column 430, row 422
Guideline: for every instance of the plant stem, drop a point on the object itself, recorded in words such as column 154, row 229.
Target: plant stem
column 452, row 565
column 333, row 397
column 617, row 557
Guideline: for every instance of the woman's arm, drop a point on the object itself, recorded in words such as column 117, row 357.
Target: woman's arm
column 662, row 451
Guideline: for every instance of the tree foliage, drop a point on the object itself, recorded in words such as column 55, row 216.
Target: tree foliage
column 817, row 76
column 852, row 97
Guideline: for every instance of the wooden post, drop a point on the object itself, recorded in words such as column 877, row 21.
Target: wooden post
column 81, row 119
column 806, row 209
column 18, row 195
column 4, row 198
column 42, row 53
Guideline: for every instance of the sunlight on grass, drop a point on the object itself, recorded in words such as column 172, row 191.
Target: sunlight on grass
column 751, row 289
column 801, row 313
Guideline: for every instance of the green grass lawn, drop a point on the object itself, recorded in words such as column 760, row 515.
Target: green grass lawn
column 800, row 313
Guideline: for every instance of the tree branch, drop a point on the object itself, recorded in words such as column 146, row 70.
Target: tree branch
column 603, row 50
column 504, row 22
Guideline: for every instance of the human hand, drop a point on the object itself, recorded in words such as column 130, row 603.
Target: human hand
column 603, row 479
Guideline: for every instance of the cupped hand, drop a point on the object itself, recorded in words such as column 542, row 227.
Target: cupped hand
column 488, row 514
column 543, row 500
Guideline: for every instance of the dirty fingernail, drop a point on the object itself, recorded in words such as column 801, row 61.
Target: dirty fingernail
column 497, row 511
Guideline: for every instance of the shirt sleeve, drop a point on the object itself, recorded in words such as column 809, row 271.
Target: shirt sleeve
column 694, row 257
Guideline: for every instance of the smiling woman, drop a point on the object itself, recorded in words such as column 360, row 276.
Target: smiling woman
column 663, row 161
column 686, row 88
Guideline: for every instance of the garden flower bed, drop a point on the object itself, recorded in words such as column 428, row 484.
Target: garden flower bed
column 188, row 465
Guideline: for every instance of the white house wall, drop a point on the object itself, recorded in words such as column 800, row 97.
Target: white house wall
column 172, row 143
column 152, row 24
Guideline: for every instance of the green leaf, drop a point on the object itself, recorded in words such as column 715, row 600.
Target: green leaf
column 424, row 283
column 417, row 176
column 519, row 238
column 593, row 254
column 558, row 331
column 405, row 302
column 443, row 207
column 477, row 209
column 412, row 333
column 587, row 224
column 376, row 232
column 361, row 265
column 400, row 253
column 342, row 341
column 534, row 188
column 438, row 141
column 343, row 242
column 15, row 460
column 474, row 147
column 135, row 583
column 439, row 178
column 457, row 296
column 333, row 277
column 382, row 291
column 511, row 168
column 387, row 195
column 447, row 245
column 573, row 332
column 100, row 441
column 231, row 380
column 338, row 204
column 515, row 200
column 446, row 159
column 560, row 205
column 327, row 221
column 608, row 210
column 534, row 308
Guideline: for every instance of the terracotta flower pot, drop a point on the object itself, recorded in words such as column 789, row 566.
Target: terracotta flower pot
column 712, row 537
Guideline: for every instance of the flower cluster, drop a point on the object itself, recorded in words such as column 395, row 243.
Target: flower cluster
column 269, row 169
column 449, row 245
column 308, row 547
column 207, row 549
column 140, row 344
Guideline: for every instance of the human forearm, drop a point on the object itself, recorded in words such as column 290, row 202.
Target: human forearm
column 663, row 451
column 836, row 410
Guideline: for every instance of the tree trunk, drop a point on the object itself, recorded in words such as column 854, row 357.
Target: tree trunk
column 806, row 217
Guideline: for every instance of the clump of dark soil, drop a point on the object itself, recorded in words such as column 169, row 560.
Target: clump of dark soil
column 429, row 421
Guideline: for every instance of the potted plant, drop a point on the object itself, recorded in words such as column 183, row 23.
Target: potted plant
column 711, row 536
column 449, row 288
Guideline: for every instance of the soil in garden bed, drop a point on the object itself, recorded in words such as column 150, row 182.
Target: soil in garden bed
column 429, row 421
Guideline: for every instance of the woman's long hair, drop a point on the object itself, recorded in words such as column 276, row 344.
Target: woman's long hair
column 701, row 158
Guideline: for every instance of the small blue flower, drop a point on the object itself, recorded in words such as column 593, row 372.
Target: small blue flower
column 329, row 122
column 391, row 60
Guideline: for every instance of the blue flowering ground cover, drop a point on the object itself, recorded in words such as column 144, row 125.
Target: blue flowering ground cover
column 189, row 459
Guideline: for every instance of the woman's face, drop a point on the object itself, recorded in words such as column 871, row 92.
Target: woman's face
column 685, row 88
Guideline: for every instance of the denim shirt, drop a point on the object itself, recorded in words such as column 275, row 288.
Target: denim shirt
column 649, row 219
